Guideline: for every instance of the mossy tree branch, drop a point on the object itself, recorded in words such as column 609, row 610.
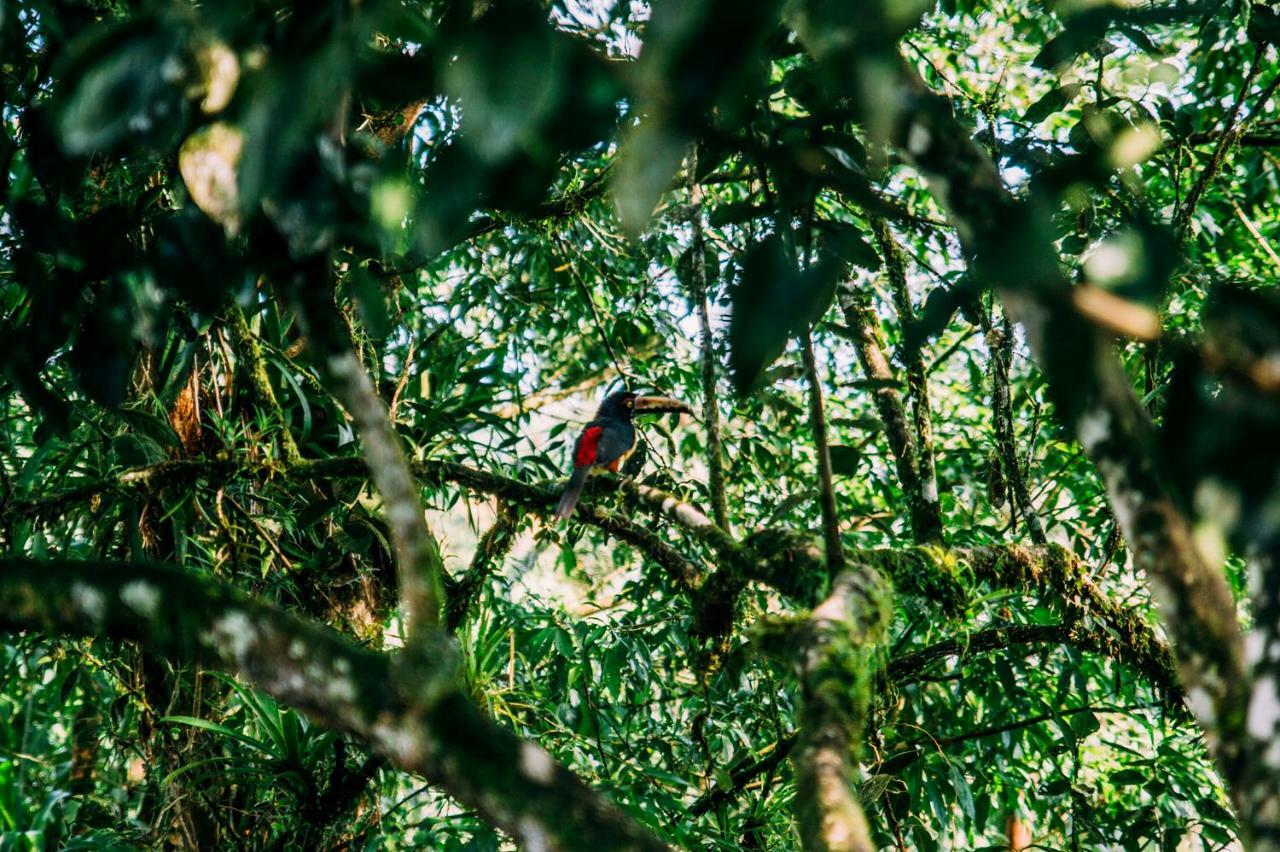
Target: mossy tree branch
column 710, row 395
column 1000, row 344
column 836, row 674
column 790, row 561
column 418, row 718
column 419, row 565
column 906, row 668
column 826, row 486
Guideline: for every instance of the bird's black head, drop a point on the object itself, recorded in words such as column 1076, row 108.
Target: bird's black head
column 619, row 406
column 622, row 404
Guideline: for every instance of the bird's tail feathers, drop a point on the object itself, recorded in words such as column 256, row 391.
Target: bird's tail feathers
column 572, row 489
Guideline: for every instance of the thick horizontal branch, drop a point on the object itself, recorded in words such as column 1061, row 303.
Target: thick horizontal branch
column 789, row 561
column 418, row 717
column 906, row 668
column 1156, row 669
column 543, row 498
column 948, row 577
column 539, row 497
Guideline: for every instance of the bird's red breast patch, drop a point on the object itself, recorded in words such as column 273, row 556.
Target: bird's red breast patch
column 586, row 451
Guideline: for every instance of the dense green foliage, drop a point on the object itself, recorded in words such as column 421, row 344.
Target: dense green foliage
column 506, row 209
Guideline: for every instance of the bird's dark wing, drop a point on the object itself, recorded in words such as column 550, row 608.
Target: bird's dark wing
column 603, row 441
column 616, row 441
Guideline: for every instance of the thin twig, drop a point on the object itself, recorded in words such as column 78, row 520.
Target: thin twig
column 710, row 400
column 818, row 426
column 1182, row 219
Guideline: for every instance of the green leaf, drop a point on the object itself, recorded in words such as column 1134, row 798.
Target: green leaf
column 1264, row 24
column 1084, row 724
column 113, row 86
column 735, row 213
column 152, row 427
column 1053, row 100
column 846, row 241
column 963, row 792
column 844, row 460
column 1211, row 809
column 1057, row 786
column 314, row 512
column 136, row 451
column 373, row 305
column 1129, row 777
column 648, row 158
column 508, row 73
column 214, row 727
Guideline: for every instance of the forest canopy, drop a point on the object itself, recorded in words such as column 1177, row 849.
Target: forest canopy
column 954, row 523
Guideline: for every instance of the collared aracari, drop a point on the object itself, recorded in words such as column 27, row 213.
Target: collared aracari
column 609, row 438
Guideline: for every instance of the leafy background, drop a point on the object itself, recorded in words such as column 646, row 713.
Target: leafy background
column 480, row 187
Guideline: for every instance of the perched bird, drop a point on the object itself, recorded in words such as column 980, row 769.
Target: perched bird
column 609, row 439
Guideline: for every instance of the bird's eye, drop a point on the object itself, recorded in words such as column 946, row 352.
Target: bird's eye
column 631, row 403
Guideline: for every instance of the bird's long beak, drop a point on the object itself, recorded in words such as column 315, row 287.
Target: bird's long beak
column 661, row 405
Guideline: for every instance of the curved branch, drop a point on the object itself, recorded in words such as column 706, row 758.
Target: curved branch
column 904, row 669
column 1156, row 670
column 789, row 561
column 419, row 719
column 543, row 497
column 539, row 497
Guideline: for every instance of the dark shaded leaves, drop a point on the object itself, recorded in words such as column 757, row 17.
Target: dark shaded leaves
column 847, row 242
column 1264, row 25
column 773, row 302
column 116, row 84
